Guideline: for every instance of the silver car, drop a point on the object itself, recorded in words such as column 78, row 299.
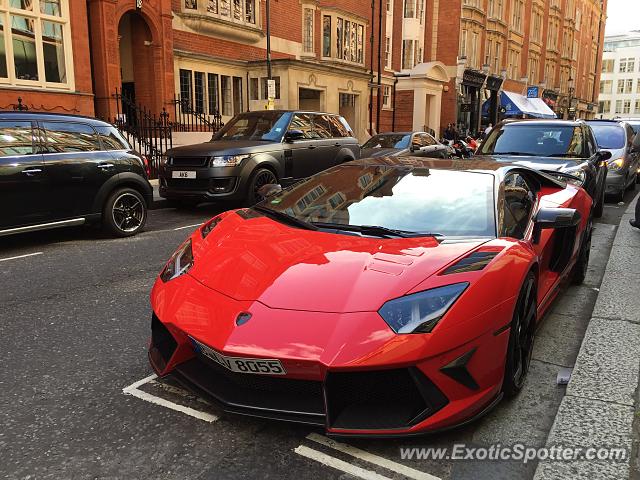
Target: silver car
column 617, row 137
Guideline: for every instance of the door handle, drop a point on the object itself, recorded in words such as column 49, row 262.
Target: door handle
column 31, row 171
column 105, row 166
column 337, row 144
column 311, row 147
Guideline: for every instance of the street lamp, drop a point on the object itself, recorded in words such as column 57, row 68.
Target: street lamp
column 572, row 90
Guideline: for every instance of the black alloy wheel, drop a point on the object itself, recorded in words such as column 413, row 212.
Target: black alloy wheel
column 521, row 337
column 260, row 178
column 125, row 212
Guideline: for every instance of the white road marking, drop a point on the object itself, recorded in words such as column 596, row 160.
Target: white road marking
column 338, row 464
column 135, row 392
column 187, row 226
column 371, row 458
column 20, row 256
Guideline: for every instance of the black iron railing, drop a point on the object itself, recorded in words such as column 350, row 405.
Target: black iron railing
column 148, row 133
column 188, row 119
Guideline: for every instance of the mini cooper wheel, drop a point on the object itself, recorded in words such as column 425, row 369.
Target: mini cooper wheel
column 520, row 347
column 260, row 178
column 579, row 272
column 125, row 212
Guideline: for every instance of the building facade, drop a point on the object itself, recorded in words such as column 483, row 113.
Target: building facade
column 384, row 65
column 510, row 45
column 620, row 82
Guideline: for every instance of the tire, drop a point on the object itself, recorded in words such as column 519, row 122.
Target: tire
column 260, row 177
column 579, row 271
column 521, row 337
column 637, row 177
column 598, row 208
column 124, row 213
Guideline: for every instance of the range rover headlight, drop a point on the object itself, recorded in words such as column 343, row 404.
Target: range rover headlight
column 179, row 263
column 421, row 312
column 228, row 160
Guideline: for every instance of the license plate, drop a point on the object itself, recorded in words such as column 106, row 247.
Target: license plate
column 183, row 174
column 260, row 366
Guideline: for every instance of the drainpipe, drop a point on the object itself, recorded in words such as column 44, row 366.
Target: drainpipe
column 395, row 83
column 378, row 97
column 93, row 77
column 373, row 11
column 594, row 94
column 268, row 15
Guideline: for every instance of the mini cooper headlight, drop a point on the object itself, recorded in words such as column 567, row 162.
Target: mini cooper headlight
column 421, row 312
column 616, row 164
column 228, row 160
column 179, row 263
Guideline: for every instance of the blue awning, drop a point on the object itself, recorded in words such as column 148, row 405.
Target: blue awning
column 518, row 105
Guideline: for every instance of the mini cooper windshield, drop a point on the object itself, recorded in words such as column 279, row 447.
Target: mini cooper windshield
column 386, row 201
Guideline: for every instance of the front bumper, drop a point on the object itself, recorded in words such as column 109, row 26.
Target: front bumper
column 377, row 384
column 210, row 184
column 616, row 181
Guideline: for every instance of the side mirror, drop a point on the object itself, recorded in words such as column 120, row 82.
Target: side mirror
column 604, row 155
column 548, row 218
column 428, row 148
column 269, row 189
column 293, row 135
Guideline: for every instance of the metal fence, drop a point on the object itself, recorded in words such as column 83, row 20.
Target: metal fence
column 190, row 119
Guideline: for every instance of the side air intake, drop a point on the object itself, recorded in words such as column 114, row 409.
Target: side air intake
column 471, row 263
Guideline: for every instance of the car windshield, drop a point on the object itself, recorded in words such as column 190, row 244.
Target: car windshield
column 410, row 200
column 399, row 141
column 608, row 136
column 267, row 126
column 541, row 140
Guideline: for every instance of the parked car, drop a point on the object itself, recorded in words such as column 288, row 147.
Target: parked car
column 417, row 144
column 386, row 296
column 63, row 170
column 634, row 122
column 255, row 149
column 567, row 149
column 617, row 137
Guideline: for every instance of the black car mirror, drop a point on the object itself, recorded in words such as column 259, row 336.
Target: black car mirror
column 548, row 218
column 293, row 135
column 269, row 190
column 604, row 155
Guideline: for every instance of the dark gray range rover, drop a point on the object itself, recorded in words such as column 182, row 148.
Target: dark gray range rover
column 255, row 149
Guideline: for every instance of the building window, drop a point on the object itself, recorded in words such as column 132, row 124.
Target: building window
column 387, row 52
column 463, row 44
column 407, row 54
column 628, row 86
column 240, row 11
column 227, row 102
column 254, row 93
column 326, row 36
column 497, row 61
column 307, row 26
column 604, row 106
column 409, row 8
column 237, row 95
column 627, row 65
column 186, row 82
column 35, row 48
column 386, row 96
column 626, row 108
column 349, row 44
column 516, row 19
column 199, row 92
column 637, row 106
column 212, row 91
column 618, row 106
column 606, row 86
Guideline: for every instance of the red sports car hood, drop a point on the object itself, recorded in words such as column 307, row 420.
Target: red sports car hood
column 259, row 259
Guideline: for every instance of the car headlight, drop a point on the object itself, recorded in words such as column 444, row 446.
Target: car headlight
column 579, row 172
column 228, row 160
column 616, row 164
column 179, row 263
column 421, row 312
column 210, row 225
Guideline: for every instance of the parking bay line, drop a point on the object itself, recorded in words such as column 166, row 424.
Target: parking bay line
column 134, row 391
column 187, row 226
column 359, row 454
column 338, row 464
column 20, row 256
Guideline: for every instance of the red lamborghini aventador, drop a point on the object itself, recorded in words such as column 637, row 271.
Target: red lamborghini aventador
column 380, row 297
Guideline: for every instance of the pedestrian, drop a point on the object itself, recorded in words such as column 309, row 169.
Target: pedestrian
column 487, row 130
column 449, row 133
column 636, row 221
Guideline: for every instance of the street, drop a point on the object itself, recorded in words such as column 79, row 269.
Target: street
column 76, row 322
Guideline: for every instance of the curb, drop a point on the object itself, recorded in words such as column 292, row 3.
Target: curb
column 599, row 406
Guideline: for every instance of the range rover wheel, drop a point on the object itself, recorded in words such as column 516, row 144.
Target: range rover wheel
column 124, row 213
column 259, row 178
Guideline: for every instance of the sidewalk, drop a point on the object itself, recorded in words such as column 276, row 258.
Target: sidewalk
column 599, row 407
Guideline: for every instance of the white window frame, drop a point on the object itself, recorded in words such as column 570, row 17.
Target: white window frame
column 308, row 37
column 64, row 19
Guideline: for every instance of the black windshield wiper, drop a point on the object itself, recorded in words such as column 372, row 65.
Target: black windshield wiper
column 376, row 230
column 516, row 154
column 284, row 218
column 561, row 155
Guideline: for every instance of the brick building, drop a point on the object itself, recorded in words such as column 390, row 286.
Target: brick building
column 73, row 55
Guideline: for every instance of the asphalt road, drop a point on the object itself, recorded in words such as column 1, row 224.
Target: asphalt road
column 74, row 326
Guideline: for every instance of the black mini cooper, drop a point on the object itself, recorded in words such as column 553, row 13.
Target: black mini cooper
column 62, row 170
